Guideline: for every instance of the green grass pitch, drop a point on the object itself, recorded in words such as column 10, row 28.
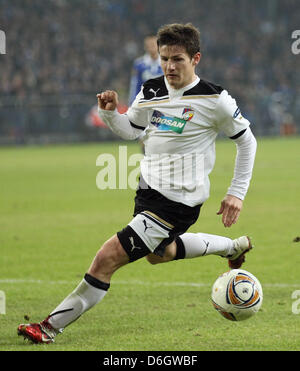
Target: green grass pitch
column 53, row 219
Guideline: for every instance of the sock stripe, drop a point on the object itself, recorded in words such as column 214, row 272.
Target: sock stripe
column 60, row 312
column 96, row 283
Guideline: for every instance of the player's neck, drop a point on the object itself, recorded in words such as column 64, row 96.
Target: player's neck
column 194, row 81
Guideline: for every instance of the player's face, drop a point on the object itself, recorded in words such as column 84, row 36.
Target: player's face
column 177, row 65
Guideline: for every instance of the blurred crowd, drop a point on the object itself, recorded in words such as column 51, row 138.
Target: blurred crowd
column 65, row 47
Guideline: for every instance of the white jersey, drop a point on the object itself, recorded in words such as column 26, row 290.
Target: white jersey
column 181, row 127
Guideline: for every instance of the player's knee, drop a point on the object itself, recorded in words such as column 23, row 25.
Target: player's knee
column 169, row 255
column 154, row 259
column 111, row 256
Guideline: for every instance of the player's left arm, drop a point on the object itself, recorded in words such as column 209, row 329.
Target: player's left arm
column 236, row 127
column 232, row 203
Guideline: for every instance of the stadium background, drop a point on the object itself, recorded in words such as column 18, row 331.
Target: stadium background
column 60, row 53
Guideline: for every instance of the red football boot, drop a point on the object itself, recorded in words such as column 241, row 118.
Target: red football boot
column 39, row 333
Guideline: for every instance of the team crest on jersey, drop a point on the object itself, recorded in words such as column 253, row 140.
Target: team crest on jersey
column 187, row 114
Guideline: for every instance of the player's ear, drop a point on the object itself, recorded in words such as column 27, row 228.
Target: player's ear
column 196, row 58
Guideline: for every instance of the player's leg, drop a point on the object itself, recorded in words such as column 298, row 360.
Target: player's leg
column 108, row 259
column 169, row 255
column 192, row 245
column 202, row 244
column 94, row 286
column 142, row 235
column 90, row 291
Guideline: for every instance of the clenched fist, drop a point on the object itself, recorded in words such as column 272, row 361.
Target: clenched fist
column 108, row 100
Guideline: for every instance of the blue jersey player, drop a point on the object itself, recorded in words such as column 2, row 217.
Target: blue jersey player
column 145, row 67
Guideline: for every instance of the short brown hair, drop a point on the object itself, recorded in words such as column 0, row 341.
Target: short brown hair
column 186, row 35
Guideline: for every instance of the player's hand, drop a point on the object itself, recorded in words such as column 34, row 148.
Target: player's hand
column 108, row 100
column 230, row 209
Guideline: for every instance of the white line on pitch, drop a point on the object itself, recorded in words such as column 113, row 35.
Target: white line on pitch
column 130, row 282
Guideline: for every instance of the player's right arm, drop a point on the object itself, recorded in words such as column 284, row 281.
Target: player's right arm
column 120, row 124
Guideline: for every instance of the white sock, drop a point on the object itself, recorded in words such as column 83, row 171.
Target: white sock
column 200, row 244
column 87, row 294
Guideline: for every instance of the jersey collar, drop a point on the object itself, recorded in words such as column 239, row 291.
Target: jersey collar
column 175, row 93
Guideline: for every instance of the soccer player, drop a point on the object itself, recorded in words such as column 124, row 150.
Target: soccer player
column 181, row 115
column 145, row 67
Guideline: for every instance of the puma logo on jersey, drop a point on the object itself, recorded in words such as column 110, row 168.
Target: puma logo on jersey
column 153, row 91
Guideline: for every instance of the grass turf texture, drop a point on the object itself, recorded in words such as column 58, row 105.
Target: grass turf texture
column 53, row 220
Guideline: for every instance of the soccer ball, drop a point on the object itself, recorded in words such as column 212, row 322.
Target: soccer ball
column 237, row 295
